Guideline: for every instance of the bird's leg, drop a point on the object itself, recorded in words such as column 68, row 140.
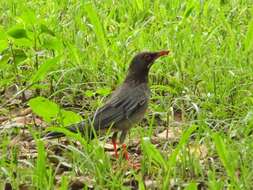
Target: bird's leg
column 115, row 148
column 114, row 142
column 135, row 166
column 124, row 147
column 125, row 153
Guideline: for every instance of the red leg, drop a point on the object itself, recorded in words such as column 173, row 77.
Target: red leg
column 125, row 153
column 115, row 147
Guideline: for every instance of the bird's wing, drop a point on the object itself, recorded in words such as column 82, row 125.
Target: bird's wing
column 120, row 107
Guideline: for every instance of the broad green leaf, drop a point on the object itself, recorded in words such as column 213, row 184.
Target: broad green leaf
column 43, row 70
column 44, row 108
column 7, row 57
column 191, row 186
column 46, row 30
column 3, row 35
column 69, row 117
column 3, row 44
column 24, row 42
column 17, row 33
column 52, row 43
column 4, row 60
column 29, row 16
column 20, row 55
column 50, row 111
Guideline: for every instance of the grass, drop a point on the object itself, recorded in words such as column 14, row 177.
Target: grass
column 76, row 52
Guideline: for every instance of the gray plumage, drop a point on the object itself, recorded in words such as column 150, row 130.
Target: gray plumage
column 127, row 104
column 124, row 109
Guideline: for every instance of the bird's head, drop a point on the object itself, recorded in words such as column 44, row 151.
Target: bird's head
column 141, row 64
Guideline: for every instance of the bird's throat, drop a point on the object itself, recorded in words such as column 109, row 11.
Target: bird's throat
column 137, row 77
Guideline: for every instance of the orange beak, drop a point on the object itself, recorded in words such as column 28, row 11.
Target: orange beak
column 163, row 53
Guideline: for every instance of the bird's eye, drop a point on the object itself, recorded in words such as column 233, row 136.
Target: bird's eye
column 147, row 57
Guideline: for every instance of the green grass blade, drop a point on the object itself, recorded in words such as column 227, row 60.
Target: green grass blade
column 223, row 152
column 44, row 69
column 173, row 157
column 153, row 153
column 68, row 133
column 41, row 165
column 97, row 26
column 248, row 43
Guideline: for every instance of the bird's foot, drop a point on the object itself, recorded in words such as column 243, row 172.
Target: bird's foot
column 135, row 166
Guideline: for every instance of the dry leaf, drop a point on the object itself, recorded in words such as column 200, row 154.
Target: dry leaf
column 150, row 184
column 171, row 134
column 108, row 146
column 178, row 116
column 25, row 187
column 21, row 122
column 11, row 91
column 3, row 118
column 80, row 182
column 24, row 112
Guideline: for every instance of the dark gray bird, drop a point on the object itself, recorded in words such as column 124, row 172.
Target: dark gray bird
column 127, row 104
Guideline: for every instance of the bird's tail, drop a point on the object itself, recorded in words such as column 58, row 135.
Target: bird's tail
column 81, row 128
